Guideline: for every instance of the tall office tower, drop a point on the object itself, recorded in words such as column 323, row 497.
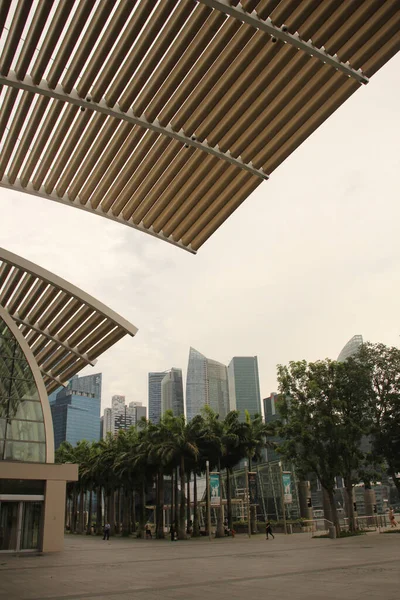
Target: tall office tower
column 119, row 416
column 76, row 411
column 271, row 414
column 206, row 384
column 351, row 348
column 244, row 385
column 155, row 380
column 172, row 392
column 139, row 411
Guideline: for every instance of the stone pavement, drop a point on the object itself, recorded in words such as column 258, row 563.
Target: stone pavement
column 292, row 567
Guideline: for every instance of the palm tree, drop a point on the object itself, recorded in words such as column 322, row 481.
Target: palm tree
column 177, row 450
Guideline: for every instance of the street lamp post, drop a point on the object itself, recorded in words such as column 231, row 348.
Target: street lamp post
column 208, row 499
column 246, row 474
column 283, row 499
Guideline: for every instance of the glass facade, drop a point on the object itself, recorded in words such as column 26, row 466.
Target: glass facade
column 244, row 385
column 196, row 384
column 172, row 392
column 76, row 416
column 22, row 432
column 206, row 384
column 351, row 348
column 155, row 380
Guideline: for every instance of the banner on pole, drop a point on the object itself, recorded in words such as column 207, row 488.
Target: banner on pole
column 287, row 488
column 253, row 489
column 214, row 489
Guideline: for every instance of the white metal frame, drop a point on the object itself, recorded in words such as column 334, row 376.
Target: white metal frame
column 281, row 33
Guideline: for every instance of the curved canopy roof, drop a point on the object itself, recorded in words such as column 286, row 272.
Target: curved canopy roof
column 65, row 328
column 166, row 115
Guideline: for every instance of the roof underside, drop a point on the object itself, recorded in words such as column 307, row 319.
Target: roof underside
column 166, row 115
column 65, row 328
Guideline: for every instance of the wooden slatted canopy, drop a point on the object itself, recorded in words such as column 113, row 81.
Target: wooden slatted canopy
column 65, row 328
column 165, row 115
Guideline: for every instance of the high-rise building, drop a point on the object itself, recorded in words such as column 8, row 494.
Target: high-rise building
column 155, row 380
column 244, row 385
column 206, row 384
column 271, row 414
column 351, row 348
column 76, row 410
column 121, row 416
column 172, row 392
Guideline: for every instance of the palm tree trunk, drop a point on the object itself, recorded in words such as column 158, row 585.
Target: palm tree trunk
column 229, row 497
column 125, row 512
column 89, row 521
column 160, row 505
column 172, row 512
column 133, row 516
column 75, row 511
column 176, row 515
column 99, row 512
column 66, row 511
column 188, row 512
column 81, row 520
column 118, row 511
column 142, row 515
column 181, row 529
column 196, row 528
column 111, row 511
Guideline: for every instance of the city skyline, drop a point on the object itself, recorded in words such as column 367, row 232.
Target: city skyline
column 307, row 271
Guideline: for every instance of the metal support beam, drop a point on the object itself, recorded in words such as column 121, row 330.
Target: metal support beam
column 281, row 33
column 58, row 93
column 54, row 338
column 56, row 379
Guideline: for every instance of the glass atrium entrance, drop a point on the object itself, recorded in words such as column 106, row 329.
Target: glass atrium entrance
column 20, row 525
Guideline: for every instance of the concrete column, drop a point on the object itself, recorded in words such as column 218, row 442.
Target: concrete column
column 53, row 522
column 306, row 511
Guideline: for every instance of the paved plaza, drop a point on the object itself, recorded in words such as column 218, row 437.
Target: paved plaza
column 292, row 567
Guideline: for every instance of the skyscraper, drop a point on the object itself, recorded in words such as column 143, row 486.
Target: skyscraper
column 121, row 416
column 271, row 414
column 172, row 392
column 76, row 410
column 351, row 348
column 244, row 385
column 155, row 380
column 206, row 384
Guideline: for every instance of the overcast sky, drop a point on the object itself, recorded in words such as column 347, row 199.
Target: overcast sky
column 309, row 260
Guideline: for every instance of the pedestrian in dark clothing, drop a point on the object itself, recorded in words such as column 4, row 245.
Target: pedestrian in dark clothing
column 268, row 530
column 106, row 535
column 172, row 532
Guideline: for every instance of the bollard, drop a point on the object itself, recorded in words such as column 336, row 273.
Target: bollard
column 332, row 532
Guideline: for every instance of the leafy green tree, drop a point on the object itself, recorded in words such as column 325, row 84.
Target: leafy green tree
column 309, row 428
column 383, row 363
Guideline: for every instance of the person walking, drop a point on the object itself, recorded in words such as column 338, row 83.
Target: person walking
column 268, row 530
column 392, row 518
column 172, row 532
column 106, row 531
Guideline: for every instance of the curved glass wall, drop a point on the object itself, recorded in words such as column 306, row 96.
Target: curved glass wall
column 22, row 432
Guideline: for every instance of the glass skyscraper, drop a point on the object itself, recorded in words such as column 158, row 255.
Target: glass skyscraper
column 155, row 380
column 172, row 392
column 206, row 384
column 76, row 411
column 351, row 348
column 244, row 385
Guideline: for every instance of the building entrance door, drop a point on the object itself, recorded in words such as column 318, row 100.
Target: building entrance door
column 20, row 525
